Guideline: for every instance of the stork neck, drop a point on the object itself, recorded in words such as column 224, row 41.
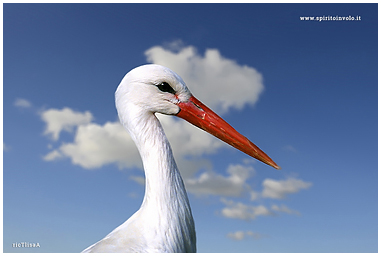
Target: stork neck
column 162, row 175
column 165, row 200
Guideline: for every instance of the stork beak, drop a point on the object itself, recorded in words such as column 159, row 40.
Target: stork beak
column 204, row 118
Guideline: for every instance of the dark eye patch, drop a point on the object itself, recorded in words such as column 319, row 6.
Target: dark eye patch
column 165, row 87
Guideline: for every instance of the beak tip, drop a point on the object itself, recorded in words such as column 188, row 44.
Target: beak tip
column 274, row 165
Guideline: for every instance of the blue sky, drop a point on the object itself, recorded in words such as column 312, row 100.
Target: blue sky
column 303, row 91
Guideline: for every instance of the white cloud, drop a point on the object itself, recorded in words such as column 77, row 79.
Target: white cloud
column 211, row 183
column 242, row 211
column 240, row 235
column 279, row 189
column 284, row 209
column 97, row 145
column 53, row 155
column 238, row 210
column 22, row 103
column 63, row 120
column 219, row 82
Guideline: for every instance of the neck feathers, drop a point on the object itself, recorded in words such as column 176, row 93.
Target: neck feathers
column 165, row 198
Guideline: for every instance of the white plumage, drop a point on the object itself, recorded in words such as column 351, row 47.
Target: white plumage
column 164, row 222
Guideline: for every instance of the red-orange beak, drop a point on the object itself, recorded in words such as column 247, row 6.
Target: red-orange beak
column 204, row 118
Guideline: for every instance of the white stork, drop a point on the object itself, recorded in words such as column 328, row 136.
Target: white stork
column 164, row 222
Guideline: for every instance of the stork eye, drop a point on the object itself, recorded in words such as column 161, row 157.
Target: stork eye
column 165, row 87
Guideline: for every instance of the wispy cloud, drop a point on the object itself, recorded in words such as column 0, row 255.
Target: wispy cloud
column 240, row 235
column 53, row 155
column 279, row 189
column 241, row 211
column 238, row 210
column 22, row 103
column 284, row 209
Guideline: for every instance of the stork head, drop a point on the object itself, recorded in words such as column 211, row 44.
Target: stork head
column 154, row 88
